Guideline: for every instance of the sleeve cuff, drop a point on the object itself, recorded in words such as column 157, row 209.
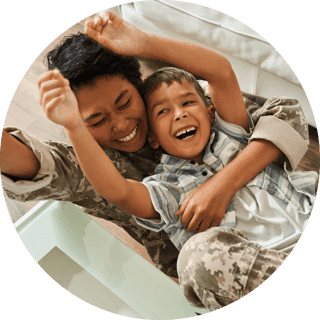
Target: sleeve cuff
column 283, row 136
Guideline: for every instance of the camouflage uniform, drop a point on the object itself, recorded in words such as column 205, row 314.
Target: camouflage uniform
column 220, row 266
column 60, row 178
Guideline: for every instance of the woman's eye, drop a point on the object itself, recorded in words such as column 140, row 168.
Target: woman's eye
column 98, row 123
column 125, row 105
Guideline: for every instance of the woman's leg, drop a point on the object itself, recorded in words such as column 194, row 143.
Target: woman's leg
column 220, row 266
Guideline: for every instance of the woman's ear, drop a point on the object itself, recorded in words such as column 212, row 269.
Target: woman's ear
column 210, row 112
column 153, row 141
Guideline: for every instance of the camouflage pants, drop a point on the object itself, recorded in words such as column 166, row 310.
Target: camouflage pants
column 219, row 266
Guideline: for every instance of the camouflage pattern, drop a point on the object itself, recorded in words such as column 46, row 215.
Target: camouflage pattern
column 219, row 266
column 64, row 180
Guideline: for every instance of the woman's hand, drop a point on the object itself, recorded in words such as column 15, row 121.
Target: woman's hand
column 116, row 34
column 205, row 207
column 58, row 101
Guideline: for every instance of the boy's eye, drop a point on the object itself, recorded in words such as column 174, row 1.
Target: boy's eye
column 125, row 105
column 187, row 102
column 162, row 111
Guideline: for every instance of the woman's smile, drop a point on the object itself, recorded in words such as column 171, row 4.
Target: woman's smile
column 130, row 136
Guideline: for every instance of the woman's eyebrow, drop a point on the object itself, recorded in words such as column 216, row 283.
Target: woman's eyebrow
column 120, row 96
column 92, row 116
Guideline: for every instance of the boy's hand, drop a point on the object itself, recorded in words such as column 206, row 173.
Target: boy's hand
column 205, row 207
column 57, row 100
column 116, row 34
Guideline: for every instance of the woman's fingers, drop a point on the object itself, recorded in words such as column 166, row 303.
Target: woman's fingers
column 194, row 224
column 204, row 225
column 48, row 84
column 51, row 95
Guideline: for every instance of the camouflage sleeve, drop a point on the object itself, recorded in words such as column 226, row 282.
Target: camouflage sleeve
column 281, row 121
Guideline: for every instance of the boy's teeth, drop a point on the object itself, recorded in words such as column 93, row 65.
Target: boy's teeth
column 185, row 131
column 130, row 136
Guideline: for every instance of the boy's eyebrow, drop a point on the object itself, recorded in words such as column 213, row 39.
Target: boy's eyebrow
column 183, row 95
column 120, row 96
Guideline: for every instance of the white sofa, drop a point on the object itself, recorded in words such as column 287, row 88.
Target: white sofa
column 260, row 69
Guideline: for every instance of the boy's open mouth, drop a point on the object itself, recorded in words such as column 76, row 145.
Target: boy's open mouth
column 186, row 133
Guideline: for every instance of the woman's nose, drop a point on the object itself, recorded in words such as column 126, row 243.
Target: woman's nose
column 119, row 123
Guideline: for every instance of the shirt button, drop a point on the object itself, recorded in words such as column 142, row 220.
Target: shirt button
column 192, row 162
column 204, row 173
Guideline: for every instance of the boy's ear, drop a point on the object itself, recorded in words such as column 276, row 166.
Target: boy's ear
column 153, row 141
column 210, row 112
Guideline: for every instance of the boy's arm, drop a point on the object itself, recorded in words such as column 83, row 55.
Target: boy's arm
column 130, row 195
column 123, row 38
column 61, row 107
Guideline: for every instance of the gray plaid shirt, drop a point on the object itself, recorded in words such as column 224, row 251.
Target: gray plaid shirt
column 291, row 196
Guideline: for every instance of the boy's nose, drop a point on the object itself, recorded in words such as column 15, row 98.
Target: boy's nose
column 180, row 114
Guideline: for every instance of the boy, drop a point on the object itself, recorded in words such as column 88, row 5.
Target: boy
column 271, row 210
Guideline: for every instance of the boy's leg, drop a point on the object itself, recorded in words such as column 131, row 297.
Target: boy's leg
column 220, row 266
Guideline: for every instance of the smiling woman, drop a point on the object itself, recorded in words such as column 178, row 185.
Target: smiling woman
column 114, row 113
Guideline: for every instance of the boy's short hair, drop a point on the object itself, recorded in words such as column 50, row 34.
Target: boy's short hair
column 82, row 60
column 168, row 75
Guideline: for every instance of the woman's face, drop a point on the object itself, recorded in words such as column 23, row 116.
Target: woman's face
column 114, row 113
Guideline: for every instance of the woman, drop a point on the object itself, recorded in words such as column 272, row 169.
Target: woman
column 106, row 87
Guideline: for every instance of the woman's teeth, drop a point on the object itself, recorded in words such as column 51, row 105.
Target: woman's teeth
column 130, row 136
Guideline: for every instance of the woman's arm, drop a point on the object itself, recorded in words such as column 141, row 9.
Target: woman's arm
column 17, row 159
column 123, row 38
column 205, row 206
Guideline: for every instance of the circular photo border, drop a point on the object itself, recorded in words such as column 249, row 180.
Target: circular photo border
column 29, row 27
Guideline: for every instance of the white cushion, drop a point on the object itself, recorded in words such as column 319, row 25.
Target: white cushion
column 260, row 69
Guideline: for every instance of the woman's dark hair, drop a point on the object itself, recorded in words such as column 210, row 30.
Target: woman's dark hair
column 82, row 60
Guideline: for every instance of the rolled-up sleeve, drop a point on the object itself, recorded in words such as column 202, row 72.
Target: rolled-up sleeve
column 163, row 202
column 45, row 173
column 281, row 121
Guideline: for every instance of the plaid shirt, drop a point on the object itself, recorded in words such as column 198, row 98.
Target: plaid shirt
column 175, row 179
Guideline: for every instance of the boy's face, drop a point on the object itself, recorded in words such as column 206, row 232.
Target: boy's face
column 179, row 121
column 114, row 113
